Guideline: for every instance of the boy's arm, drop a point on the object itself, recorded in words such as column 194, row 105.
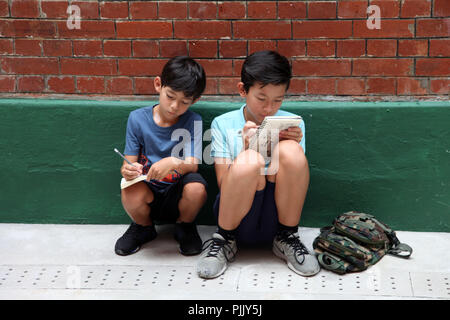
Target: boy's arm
column 159, row 170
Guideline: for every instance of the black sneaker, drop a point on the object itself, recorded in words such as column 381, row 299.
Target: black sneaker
column 132, row 240
column 187, row 236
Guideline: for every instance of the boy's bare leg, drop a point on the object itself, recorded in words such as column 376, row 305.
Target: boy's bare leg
column 292, row 181
column 135, row 201
column 192, row 200
column 238, row 188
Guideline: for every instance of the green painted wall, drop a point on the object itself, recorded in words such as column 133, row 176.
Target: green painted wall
column 391, row 159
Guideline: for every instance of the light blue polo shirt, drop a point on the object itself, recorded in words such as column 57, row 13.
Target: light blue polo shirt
column 226, row 137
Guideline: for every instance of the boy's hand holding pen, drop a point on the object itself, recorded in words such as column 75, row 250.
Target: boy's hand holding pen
column 129, row 170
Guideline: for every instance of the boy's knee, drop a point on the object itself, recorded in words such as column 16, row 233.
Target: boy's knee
column 136, row 194
column 248, row 163
column 291, row 154
column 195, row 191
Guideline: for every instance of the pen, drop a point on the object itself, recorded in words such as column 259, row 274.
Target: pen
column 117, row 151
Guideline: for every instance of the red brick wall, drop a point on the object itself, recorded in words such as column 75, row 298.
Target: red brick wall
column 122, row 45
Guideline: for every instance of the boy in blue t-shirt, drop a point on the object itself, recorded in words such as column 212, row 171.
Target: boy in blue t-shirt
column 259, row 202
column 164, row 142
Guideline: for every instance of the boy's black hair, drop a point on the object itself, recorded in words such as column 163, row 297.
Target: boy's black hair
column 266, row 67
column 184, row 74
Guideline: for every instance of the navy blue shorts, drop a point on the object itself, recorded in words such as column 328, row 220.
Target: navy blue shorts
column 260, row 224
column 164, row 207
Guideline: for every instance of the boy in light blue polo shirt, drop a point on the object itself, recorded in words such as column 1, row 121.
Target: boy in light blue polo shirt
column 259, row 202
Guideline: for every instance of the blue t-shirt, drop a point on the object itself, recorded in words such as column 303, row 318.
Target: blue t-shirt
column 151, row 143
column 226, row 137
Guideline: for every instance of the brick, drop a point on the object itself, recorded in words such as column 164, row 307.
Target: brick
column 28, row 47
column 350, row 86
column 89, row 9
column 351, row 9
column 92, row 48
column 297, row 86
column 440, row 86
column 441, row 8
column 381, row 86
column 202, row 29
column 291, row 10
column 433, row 67
column 30, row 84
column 292, row 48
column 25, row 8
column 321, row 48
column 322, row 29
column 411, row 86
column 382, row 48
column 412, row 48
column 27, row 28
column 172, row 48
column 237, row 67
column 117, row 48
column 144, row 86
column 383, row 67
column 260, row 45
column 203, row 49
column 144, row 29
column 172, row 10
column 439, row 47
column 114, row 10
column 233, row 49
column 228, row 85
column 314, row 67
column 322, row 10
column 61, row 84
column 57, row 48
column 433, row 28
column 351, row 48
column 261, row 10
column 231, row 10
column 54, row 9
column 143, row 10
column 212, row 86
column 145, row 48
column 22, row 65
column 388, row 8
column 4, row 8
column 262, row 29
column 7, row 83
column 6, row 46
column 321, row 86
column 119, row 85
column 88, row 30
column 217, row 68
column 415, row 8
column 202, row 10
column 141, row 67
column 91, row 84
column 80, row 66
column 389, row 29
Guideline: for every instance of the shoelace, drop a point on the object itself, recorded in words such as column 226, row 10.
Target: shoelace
column 216, row 245
column 294, row 242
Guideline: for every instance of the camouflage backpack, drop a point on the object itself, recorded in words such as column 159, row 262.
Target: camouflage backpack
column 356, row 241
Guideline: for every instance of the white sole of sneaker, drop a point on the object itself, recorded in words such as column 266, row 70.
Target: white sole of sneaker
column 212, row 276
column 281, row 255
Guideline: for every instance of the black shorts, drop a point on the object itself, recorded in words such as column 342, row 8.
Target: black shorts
column 260, row 225
column 164, row 207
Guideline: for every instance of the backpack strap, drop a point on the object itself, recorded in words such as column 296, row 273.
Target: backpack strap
column 398, row 249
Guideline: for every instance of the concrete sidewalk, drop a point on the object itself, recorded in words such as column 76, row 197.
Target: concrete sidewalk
column 78, row 262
